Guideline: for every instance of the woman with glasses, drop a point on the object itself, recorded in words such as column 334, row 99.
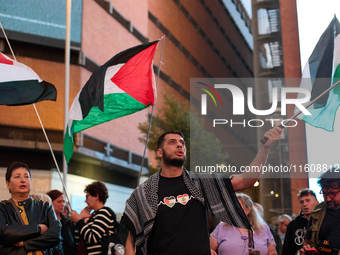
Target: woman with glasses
column 95, row 227
column 230, row 240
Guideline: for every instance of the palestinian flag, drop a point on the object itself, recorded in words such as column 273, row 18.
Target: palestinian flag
column 123, row 85
column 20, row 85
column 322, row 71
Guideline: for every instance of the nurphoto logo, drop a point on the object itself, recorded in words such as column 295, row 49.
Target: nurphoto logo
column 238, row 103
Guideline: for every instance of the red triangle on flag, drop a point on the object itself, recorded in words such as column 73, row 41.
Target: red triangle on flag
column 135, row 77
column 4, row 60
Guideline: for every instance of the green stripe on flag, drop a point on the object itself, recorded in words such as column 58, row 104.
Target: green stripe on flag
column 115, row 106
column 68, row 145
column 324, row 117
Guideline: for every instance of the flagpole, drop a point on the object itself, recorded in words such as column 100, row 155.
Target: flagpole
column 67, row 78
column 265, row 139
column 147, row 138
column 55, row 161
column 41, row 124
column 3, row 31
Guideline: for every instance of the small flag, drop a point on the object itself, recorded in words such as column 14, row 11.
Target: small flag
column 322, row 64
column 122, row 86
column 20, row 85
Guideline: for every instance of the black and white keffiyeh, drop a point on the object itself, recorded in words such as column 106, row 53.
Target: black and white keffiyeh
column 213, row 191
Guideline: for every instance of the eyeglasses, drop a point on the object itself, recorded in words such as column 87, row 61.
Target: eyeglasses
column 331, row 195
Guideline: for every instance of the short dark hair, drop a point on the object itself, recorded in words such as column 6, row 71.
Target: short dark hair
column 13, row 166
column 161, row 138
column 330, row 179
column 306, row 192
column 97, row 188
column 54, row 194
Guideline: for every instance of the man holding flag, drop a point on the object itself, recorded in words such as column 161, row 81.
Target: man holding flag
column 167, row 213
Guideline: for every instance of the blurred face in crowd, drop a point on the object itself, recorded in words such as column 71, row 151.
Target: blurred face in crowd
column 283, row 226
column 91, row 201
column 20, row 182
column 307, row 204
column 246, row 210
column 331, row 196
column 59, row 204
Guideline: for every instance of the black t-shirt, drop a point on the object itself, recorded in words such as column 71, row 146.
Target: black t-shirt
column 294, row 237
column 181, row 223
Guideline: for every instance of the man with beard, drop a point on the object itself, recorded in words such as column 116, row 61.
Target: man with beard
column 296, row 229
column 323, row 232
column 167, row 213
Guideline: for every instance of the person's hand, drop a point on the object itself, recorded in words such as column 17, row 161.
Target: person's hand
column 213, row 252
column 85, row 213
column 43, row 228
column 75, row 217
column 273, row 135
column 303, row 249
column 19, row 244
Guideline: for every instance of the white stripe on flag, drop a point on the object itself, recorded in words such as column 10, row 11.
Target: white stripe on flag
column 306, row 83
column 336, row 52
column 109, row 86
column 75, row 112
column 17, row 72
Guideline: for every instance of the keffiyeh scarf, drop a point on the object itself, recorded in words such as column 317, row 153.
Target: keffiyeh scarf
column 213, row 191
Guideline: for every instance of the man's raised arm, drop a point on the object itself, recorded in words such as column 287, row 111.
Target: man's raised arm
column 247, row 179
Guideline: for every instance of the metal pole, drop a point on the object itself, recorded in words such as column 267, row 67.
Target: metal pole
column 67, row 77
column 147, row 138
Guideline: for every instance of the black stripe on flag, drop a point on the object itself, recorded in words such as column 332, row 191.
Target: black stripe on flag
column 92, row 93
column 25, row 92
column 321, row 63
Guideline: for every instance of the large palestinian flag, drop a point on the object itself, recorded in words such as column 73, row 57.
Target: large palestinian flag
column 123, row 85
column 321, row 71
column 20, row 85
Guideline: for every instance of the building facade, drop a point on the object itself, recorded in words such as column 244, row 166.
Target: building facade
column 206, row 38
column 277, row 65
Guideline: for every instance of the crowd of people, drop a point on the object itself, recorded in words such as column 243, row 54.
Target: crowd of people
column 167, row 214
column 40, row 224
